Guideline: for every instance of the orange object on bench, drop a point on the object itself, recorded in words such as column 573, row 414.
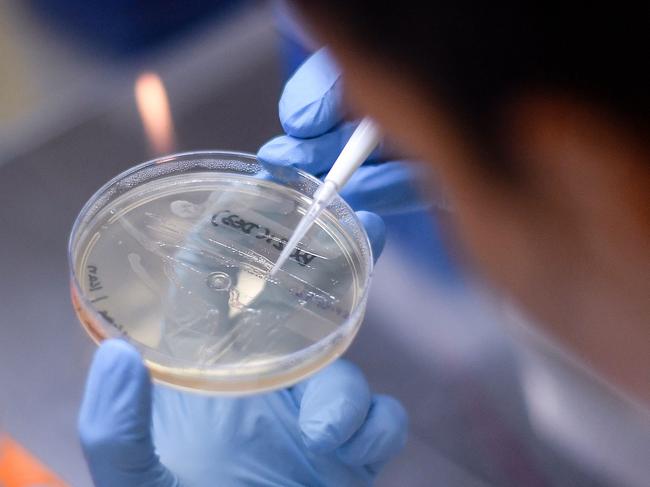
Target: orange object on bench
column 18, row 468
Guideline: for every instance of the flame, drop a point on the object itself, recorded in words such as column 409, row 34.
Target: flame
column 153, row 105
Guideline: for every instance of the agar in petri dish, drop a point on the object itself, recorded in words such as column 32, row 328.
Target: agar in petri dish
column 173, row 256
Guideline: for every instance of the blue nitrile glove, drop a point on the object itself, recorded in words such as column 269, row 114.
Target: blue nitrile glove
column 329, row 430
column 311, row 115
column 326, row 431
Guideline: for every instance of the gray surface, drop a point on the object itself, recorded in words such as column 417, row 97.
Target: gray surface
column 436, row 348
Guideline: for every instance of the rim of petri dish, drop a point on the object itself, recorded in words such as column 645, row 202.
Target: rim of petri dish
column 223, row 379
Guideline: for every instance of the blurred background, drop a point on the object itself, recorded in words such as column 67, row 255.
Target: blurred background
column 90, row 88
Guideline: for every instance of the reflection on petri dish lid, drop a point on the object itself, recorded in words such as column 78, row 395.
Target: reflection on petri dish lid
column 174, row 255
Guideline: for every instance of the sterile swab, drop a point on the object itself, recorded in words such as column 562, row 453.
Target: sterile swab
column 363, row 141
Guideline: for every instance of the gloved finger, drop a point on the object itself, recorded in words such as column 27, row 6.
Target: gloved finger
column 333, row 405
column 310, row 104
column 376, row 230
column 115, row 420
column 385, row 188
column 382, row 436
column 315, row 156
column 312, row 155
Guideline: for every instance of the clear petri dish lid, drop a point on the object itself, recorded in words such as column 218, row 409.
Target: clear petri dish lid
column 173, row 256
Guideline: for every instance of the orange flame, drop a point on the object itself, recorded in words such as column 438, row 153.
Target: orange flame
column 153, row 105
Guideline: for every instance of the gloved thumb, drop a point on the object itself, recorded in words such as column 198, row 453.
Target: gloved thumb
column 115, row 421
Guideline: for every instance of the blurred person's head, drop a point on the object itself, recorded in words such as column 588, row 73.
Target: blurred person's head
column 535, row 117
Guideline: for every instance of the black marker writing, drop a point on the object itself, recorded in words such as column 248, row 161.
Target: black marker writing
column 262, row 233
column 93, row 279
column 110, row 320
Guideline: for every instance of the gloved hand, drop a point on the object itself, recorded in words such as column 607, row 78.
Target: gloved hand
column 326, row 431
column 311, row 115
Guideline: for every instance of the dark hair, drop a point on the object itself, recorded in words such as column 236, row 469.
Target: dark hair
column 475, row 55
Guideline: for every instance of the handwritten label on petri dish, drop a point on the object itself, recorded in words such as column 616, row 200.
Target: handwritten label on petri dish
column 260, row 232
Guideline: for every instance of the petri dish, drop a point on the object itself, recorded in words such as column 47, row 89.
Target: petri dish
column 173, row 256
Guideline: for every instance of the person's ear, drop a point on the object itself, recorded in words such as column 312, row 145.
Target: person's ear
column 586, row 160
